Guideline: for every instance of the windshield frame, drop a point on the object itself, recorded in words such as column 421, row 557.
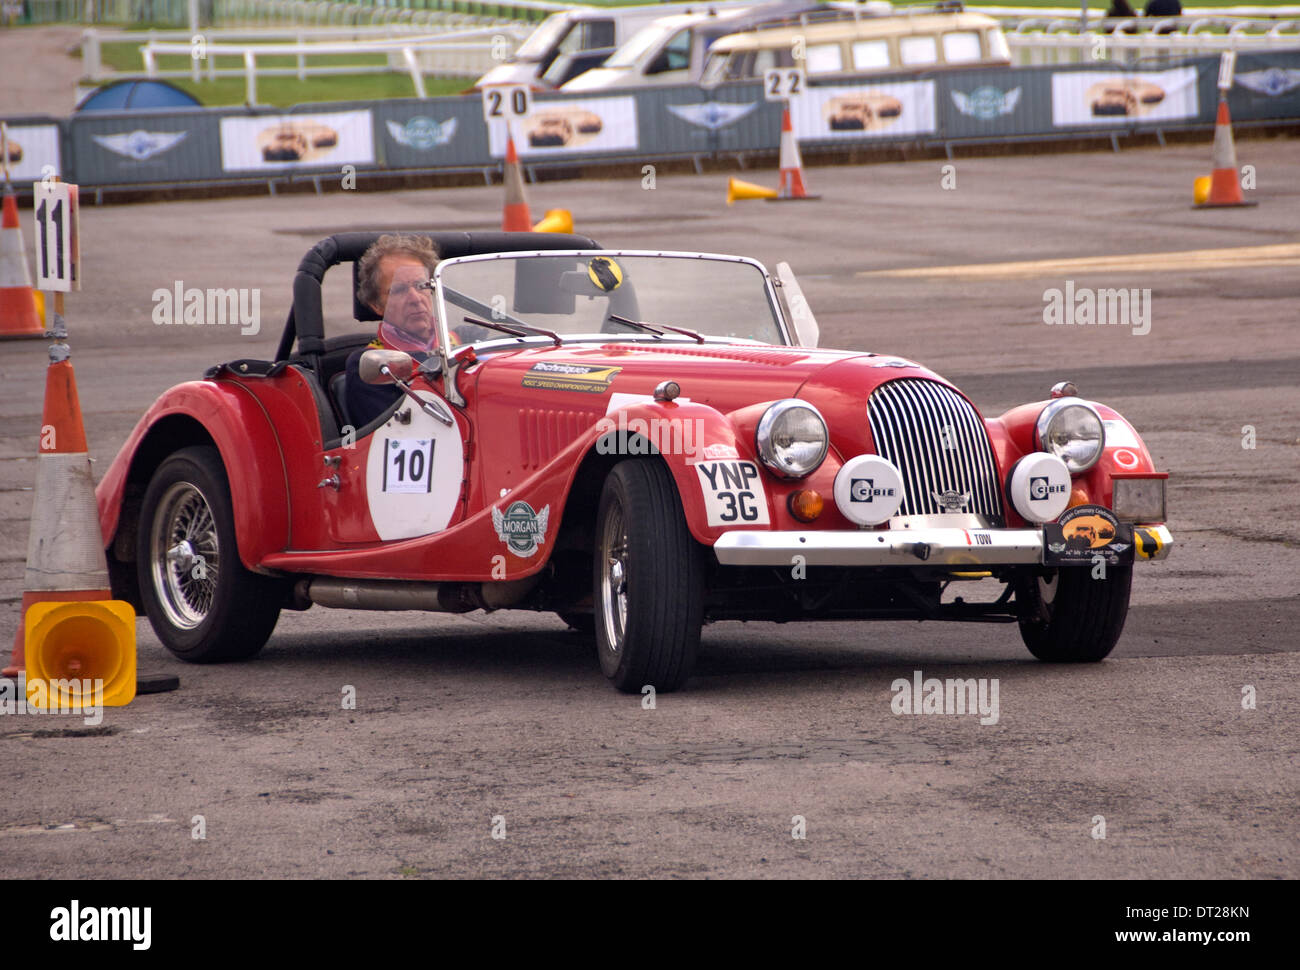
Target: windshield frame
column 506, row 342
column 546, row 38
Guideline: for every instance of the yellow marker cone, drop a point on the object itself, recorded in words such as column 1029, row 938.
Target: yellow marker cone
column 71, row 646
column 555, row 220
column 736, row 189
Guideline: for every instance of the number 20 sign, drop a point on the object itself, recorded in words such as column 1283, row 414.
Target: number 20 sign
column 57, row 255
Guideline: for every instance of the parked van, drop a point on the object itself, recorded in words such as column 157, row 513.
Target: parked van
column 673, row 49
column 569, row 42
column 917, row 40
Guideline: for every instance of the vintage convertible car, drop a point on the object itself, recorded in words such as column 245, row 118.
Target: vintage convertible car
column 642, row 442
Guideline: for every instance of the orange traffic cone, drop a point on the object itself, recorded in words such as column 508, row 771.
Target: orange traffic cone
column 791, row 186
column 516, row 217
column 18, row 316
column 1225, row 185
column 65, row 548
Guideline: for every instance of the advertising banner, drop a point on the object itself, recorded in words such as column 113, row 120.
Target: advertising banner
column 431, row 133
column 33, row 152
column 885, row 110
column 1266, row 85
column 123, row 148
column 682, row 120
column 1123, row 98
column 260, row 143
column 572, row 126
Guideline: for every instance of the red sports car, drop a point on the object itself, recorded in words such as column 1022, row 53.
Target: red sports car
column 642, row 442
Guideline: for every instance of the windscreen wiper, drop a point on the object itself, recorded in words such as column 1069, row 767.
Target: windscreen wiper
column 658, row 328
column 517, row 329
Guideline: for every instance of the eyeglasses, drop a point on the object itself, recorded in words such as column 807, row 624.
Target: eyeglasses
column 401, row 289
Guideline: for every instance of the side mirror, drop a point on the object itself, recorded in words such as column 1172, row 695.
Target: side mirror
column 400, row 366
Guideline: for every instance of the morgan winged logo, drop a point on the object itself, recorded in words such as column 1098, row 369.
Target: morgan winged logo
column 951, row 499
column 140, row 144
column 520, row 528
column 712, row 114
column 986, row 103
column 423, row 133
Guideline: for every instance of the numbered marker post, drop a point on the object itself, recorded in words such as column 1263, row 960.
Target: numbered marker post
column 57, row 236
column 783, row 83
column 1227, row 66
column 506, row 102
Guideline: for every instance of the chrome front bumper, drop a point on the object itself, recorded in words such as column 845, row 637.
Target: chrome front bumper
column 911, row 547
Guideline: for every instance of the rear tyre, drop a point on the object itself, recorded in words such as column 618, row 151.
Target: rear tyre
column 203, row 604
column 1066, row 616
column 648, row 578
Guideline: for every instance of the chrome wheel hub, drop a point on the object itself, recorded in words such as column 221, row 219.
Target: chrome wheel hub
column 186, row 556
column 613, row 579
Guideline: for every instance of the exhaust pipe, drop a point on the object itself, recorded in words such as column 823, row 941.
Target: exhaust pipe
column 379, row 594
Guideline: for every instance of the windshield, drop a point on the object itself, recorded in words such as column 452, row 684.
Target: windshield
column 582, row 292
column 545, row 37
column 640, row 42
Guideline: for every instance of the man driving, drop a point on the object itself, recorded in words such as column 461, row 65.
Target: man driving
column 393, row 280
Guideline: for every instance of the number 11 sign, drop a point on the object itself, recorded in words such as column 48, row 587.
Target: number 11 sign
column 57, row 257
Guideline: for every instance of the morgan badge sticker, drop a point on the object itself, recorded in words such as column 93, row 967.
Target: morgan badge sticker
column 520, row 528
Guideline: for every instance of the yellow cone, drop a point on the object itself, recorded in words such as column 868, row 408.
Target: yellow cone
column 736, row 189
column 1201, row 189
column 70, row 644
column 555, row 220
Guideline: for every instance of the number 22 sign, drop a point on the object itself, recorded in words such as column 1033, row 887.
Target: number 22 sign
column 57, row 217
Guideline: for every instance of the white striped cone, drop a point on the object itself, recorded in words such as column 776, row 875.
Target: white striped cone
column 791, row 185
column 65, row 545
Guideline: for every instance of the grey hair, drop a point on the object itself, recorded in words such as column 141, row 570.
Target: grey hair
column 417, row 247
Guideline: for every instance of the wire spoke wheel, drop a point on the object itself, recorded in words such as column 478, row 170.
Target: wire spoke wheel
column 186, row 556
column 203, row 604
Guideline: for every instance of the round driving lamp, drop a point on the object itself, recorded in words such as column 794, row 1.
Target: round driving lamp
column 792, row 439
column 1072, row 430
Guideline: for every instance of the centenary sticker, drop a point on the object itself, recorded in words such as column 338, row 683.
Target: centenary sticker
column 520, row 528
column 1086, row 531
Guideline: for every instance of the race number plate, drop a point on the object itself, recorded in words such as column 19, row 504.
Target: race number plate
column 733, row 492
column 408, row 465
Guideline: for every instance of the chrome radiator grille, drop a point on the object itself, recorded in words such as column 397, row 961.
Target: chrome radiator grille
column 937, row 440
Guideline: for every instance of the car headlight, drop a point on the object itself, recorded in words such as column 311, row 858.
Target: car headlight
column 1073, row 431
column 792, row 438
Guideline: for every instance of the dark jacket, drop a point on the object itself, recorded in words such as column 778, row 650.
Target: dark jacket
column 365, row 402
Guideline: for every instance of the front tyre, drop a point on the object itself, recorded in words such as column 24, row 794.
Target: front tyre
column 648, row 580
column 1066, row 616
column 203, row 604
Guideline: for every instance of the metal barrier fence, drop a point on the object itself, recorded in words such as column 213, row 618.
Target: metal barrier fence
column 176, row 13
column 333, row 141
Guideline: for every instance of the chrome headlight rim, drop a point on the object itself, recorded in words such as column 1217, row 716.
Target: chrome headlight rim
column 1053, row 411
column 766, row 450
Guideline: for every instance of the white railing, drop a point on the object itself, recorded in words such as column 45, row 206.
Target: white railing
column 462, row 53
column 293, row 12
column 1059, row 43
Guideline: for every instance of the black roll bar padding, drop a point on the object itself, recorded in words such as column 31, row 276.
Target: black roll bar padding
column 306, row 322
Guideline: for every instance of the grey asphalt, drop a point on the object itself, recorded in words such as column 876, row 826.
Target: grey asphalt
column 460, row 719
